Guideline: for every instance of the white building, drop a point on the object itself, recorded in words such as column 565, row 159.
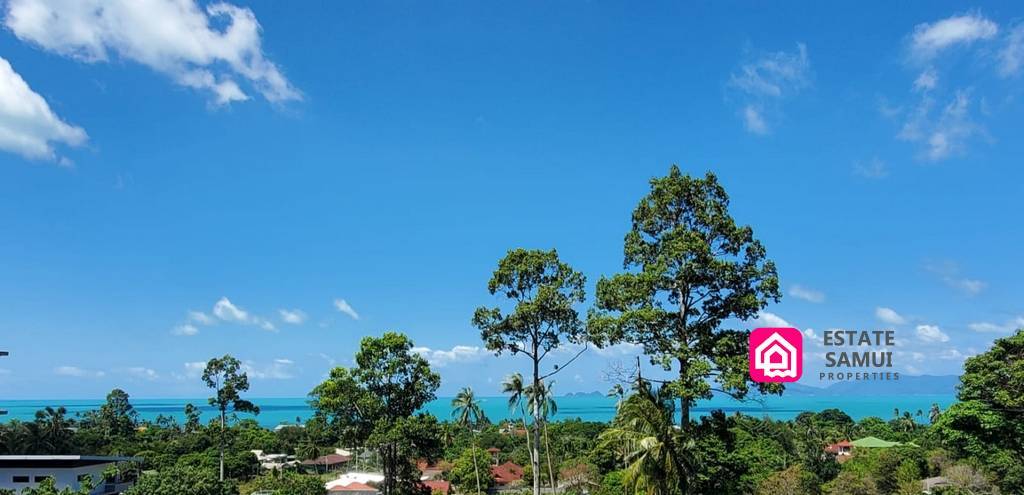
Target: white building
column 18, row 472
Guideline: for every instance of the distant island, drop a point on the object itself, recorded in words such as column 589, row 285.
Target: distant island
column 584, row 394
column 906, row 385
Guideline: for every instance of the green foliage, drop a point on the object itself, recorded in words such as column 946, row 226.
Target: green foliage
column 285, row 484
column 851, row 483
column 987, row 427
column 183, row 480
column 473, row 462
column 694, row 268
column 794, row 480
column 48, row 487
column 373, row 404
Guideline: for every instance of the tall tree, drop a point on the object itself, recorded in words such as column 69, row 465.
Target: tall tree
column 374, row 403
column 224, row 376
column 467, row 412
column 543, row 291
column 692, row 268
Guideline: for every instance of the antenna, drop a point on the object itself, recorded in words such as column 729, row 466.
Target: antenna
column 3, row 354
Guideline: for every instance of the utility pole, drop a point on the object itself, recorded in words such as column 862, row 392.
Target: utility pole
column 3, row 354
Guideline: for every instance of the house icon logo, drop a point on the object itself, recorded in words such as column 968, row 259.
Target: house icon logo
column 776, row 355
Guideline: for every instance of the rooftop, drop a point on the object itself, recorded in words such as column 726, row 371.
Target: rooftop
column 67, row 461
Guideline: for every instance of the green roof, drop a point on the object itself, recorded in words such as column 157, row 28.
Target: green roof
column 873, row 443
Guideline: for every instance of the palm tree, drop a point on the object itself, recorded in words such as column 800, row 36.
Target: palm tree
column 53, row 429
column 309, row 450
column 513, row 386
column 933, row 413
column 619, row 393
column 467, row 412
column 543, row 404
column 657, row 455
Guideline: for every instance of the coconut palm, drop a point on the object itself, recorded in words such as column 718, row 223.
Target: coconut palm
column 467, row 412
column 619, row 393
column 513, row 386
column 657, row 454
column 309, row 450
column 54, row 429
column 933, row 413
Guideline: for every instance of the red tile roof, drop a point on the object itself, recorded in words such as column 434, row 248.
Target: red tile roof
column 354, row 487
column 438, row 486
column 507, row 473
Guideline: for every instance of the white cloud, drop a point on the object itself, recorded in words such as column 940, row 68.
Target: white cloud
column 292, row 316
column 890, row 316
column 200, row 317
column 951, row 275
column 807, row 294
column 943, row 133
column 768, row 80
column 209, row 49
column 28, row 126
column 186, row 330
column 774, row 75
column 77, row 372
column 874, row 168
column 765, row 319
column 753, row 120
column 931, row 333
column 142, row 373
column 344, row 307
column 194, row 369
column 619, row 350
column 927, row 80
column 1011, row 57
column 457, row 354
column 225, row 310
column 986, row 327
column 929, row 40
column 279, row 369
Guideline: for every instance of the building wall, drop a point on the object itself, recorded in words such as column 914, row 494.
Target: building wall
column 65, row 477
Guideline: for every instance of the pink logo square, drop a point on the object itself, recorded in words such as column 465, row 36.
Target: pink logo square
column 776, row 355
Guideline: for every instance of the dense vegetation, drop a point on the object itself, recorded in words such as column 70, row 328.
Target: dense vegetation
column 693, row 268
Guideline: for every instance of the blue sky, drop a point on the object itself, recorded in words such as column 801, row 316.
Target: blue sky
column 387, row 154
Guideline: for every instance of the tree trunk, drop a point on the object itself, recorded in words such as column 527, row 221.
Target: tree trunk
column 535, row 453
column 222, row 422
column 476, row 470
column 547, row 450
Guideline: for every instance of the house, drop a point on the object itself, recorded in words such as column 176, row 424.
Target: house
column 495, row 454
column 928, row 485
column 840, row 448
column 429, row 470
column 328, row 462
column 507, row 474
column 18, row 472
column 354, row 483
column 875, row 443
column 438, row 487
column 354, row 488
column 274, row 461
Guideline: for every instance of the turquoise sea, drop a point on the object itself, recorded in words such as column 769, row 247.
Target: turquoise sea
column 591, row 408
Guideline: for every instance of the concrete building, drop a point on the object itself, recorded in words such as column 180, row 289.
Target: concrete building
column 18, row 472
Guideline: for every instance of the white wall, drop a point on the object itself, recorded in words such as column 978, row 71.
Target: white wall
column 65, row 477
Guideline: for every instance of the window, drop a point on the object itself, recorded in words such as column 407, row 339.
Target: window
column 83, row 477
column 40, row 479
column 19, row 479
